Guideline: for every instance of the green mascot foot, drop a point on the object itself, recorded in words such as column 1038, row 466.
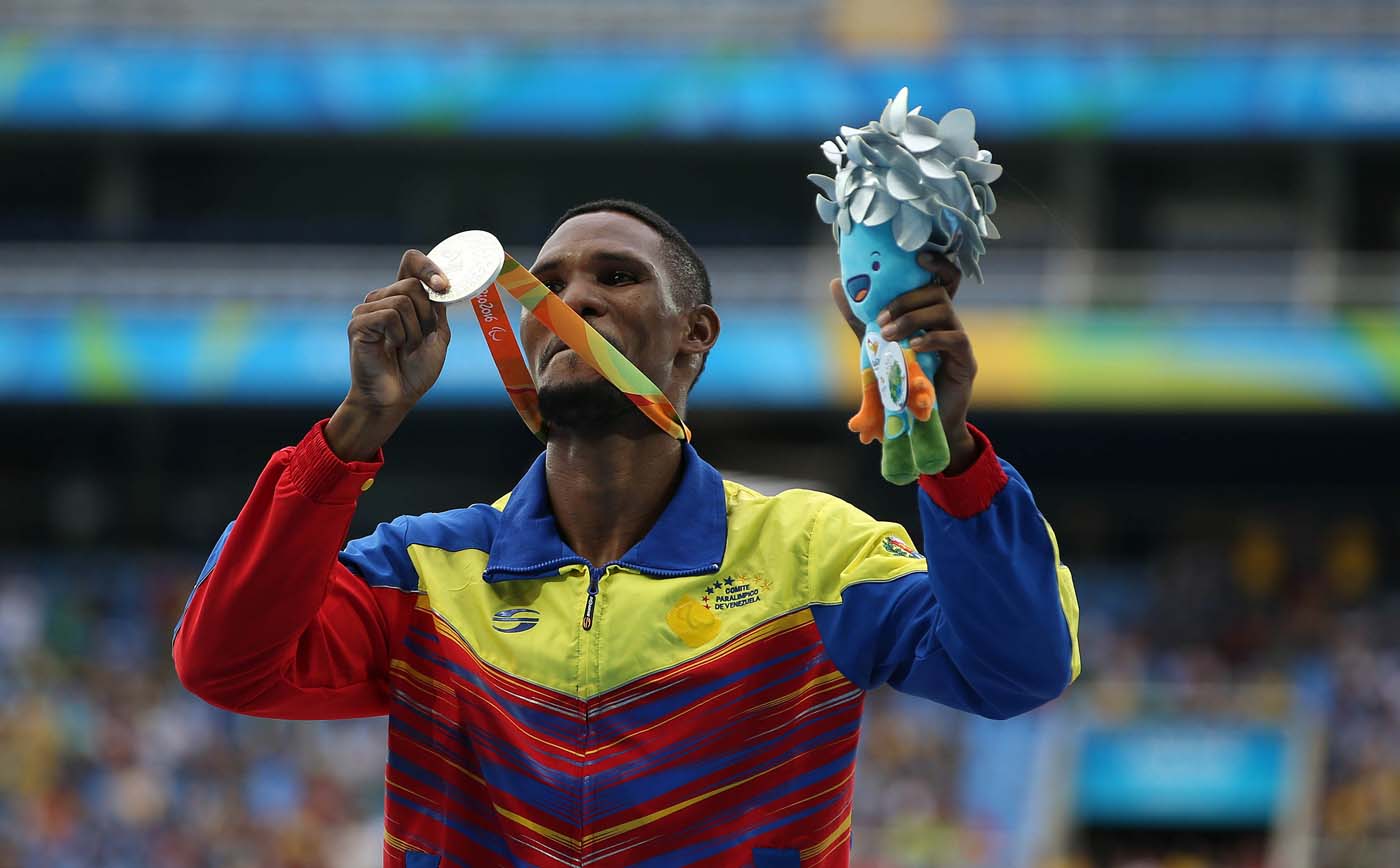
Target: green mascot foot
column 897, row 460
column 930, row 446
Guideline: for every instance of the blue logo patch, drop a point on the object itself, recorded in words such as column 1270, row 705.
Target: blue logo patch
column 515, row 620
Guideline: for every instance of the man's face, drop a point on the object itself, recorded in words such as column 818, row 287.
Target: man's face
column 609, row 268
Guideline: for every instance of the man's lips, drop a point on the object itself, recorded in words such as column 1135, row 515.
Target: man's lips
column 552, row 350
column 858, row 287
column 549, row 354
column 557, row 346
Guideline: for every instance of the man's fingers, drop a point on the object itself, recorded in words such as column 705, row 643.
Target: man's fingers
column 412, row 290
column 942, row 268
column 929, row 295
column 951, row 341
column 384, row 321
column 440, row 316
column 383, row 326
column 408, row 334
column 938, row 316
column 403, row 303
column 417, row 265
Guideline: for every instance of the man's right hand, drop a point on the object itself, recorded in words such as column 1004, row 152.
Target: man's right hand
column 398, row 343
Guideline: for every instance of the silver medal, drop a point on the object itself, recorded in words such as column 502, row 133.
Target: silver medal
column 471, row 261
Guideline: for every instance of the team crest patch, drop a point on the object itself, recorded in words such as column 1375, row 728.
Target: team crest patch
column 733, row 592
column 899, row 548
column 696, row 622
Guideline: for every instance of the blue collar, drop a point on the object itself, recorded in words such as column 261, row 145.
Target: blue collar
column 687, row 540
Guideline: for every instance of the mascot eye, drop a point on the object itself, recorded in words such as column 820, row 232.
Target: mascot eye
column 875, row 266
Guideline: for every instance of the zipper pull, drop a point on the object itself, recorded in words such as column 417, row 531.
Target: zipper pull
column 593, row 576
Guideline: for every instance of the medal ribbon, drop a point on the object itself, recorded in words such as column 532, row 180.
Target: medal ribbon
column 577, row 334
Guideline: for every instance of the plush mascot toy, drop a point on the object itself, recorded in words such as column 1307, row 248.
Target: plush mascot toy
column 904, row 184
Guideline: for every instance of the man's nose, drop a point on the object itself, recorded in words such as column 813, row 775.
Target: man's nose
column 585, row 298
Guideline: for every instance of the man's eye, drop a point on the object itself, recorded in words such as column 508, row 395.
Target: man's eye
column 554, row 286
column 617, row 276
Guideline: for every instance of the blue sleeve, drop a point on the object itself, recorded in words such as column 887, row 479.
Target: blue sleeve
column 381, row 558
column 989, row 624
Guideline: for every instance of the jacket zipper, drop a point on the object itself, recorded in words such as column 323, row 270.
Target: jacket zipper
column 595, row 575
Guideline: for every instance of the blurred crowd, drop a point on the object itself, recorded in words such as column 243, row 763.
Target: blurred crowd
column 1274, row 621
column 105, row 762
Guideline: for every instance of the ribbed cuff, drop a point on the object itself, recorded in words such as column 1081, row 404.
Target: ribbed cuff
column 320, row 475
column 969, row 492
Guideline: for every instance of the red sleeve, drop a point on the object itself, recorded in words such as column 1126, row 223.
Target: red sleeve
column 277, row 626
column 969, row 492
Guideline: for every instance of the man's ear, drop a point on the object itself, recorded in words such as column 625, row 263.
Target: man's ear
column 702, row 330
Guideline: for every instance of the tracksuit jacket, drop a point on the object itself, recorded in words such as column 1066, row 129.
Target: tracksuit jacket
column 695, row 702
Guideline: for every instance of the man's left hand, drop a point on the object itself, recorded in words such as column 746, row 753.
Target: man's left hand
column 929, row 309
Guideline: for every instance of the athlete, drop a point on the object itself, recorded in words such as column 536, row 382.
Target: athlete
column 627, row 661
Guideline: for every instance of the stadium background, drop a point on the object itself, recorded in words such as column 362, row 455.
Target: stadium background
column 1189, row 344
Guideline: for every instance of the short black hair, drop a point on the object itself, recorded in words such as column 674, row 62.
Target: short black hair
column 688, row 274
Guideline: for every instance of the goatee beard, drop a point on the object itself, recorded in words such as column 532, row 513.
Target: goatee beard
column 592, row 408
